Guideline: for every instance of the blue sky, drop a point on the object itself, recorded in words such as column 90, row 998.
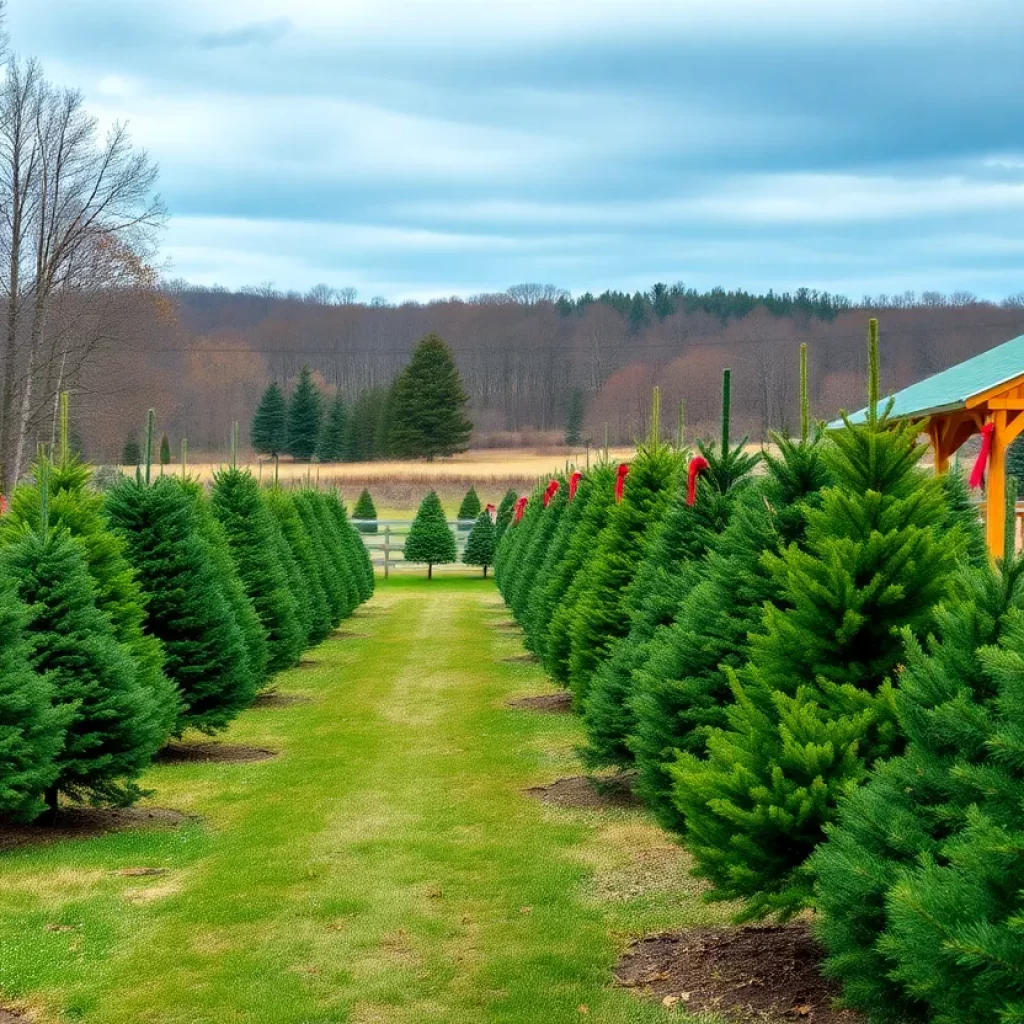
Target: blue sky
column 439, row 147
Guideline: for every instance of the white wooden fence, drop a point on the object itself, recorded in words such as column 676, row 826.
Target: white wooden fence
column 385, row 540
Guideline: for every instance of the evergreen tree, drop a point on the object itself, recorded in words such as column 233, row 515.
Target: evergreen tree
column 304, row 414
column 300, row 544
column 813, row 706
column 505, row 512
column 429, row 403
column 131, row 453
column 32, row 724
column 330, row 567
column 331, row 444
column 186, row 607
column 1014, row 460
column 338, row 551
column 366, row 510
column 515, row 544
column 363, row 427
column 356, row 554
column 165, row 451
column 470, row 507
column 530, row 558
column 481, row 543
column 269, row 431
column 385, row 420
column 574, row 417
column 116, row 723
column 253, row 537
column 430, row 539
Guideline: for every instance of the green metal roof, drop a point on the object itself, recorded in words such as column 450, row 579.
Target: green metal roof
column 950, row 389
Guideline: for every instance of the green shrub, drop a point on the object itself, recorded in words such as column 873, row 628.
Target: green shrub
column 365, row 509
column 481, row 543
column 430, row 539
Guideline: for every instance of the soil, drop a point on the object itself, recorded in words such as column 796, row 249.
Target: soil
column 551, row 703
column 309, row 663
column 276, row 699
column 754, row 975
column 590, row 792
column 86, row 823
column 211, row 752
column 521, row 659
column 10, row 1017
column 507, row 625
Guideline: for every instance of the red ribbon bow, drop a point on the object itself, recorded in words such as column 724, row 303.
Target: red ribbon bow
column 520, row 509
column 551, row 492
column 574, row 482
column 981, row 463
column 620, row 482
column 492, row 512
column 697, row 466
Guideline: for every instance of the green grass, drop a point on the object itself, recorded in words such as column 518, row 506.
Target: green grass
column 385, row 867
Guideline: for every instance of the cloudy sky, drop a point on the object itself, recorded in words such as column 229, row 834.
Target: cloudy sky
column 435, row 147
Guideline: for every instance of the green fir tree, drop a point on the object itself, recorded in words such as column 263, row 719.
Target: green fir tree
column 331, row 443
column 305, row 411
column 131, row 453
column 365, row 510
column 430, row 539
column 165, row 451
column 269, row 430
column 470, row 507
column 505, row 511
column 481, row 543
column 574, row 416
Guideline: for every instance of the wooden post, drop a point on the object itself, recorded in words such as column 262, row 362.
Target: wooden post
column 387, row 548
column 995, row 496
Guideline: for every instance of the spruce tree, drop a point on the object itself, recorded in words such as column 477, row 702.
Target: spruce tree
column 165, row 451
column 481, row 543
column 331, row 575
column 32, row 723
column 430, row 539
column 269, row 430
column 366, row 510
column 515, row 544
column 116, row 724
column 131, row 453
column 304, row 414
column 356, row 553
column 253, row 536
column 531, row 557
column 428, row 407
column 361, row 431
column 470, row 507
column 338, row 551
column 574, row 417
column 506, row 509
column 813, row 705
column 331, row 443
column 186, row 606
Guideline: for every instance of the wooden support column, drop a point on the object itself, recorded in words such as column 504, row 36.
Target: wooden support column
column 995, row 492
column 935, row 436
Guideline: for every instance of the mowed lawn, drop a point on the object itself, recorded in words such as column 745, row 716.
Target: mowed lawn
column 385, row 866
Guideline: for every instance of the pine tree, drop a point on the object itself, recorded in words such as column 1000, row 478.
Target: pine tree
column 254, row 541
column 331, row 571
column 165, row 451
column 363, row 427
column 269, row 431
column 428, row 409
column 574, row 417
column 365, row 510
column 531, row 557
column 470, row 507
column 813, row 706
column 1014, row 459
column 131, row 453
column 430, row 539
column 505, row 512
column 356, row 554
column 116, row 723
column 186, row 607
column 304, row 414
column 481, row 543
column 515, row 543
column 32, row 724
column 331, row 443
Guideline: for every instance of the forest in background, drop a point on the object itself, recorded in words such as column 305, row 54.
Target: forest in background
column 203, row 356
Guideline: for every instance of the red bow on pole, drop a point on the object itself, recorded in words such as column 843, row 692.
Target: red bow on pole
column 520, row 509
column 551, row 492
column 574, row 482
column 492, row 512
column 697, row 466
column 620, row 481
column 981, row 463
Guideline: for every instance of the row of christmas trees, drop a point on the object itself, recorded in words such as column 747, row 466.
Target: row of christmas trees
column 817, row 676
column 129, row 617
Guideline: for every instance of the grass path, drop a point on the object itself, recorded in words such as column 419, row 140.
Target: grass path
column 386, row 866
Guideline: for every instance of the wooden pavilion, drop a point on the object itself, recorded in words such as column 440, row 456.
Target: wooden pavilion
column 962, row 401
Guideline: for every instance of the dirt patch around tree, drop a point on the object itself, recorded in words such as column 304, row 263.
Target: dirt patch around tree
column 753, row 975
column 588, row 792
column 348, row 634
column 276, row 699
column 86, row 823
column 11, row 1017
column 549, row 703
column 521, row 659
column 212, row 752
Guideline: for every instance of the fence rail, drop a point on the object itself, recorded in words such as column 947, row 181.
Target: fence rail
column 385, row 540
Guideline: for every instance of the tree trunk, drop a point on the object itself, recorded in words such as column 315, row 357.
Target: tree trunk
column 485, row 572
column 430, row 570
column 51, row 797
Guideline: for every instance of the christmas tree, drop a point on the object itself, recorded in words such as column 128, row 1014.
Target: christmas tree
column 131, row 453
column 510, row 555
column 32, row 724
column 165, row 451
column 356, row 555
column 269, row 430
column 253, row 538
column 430, row 539
column 481, row 543
column 574, row 417
column 186, row 606
column 331, row 443
column 929, row 943
column 506, row 509
column 366, row 510
column 469, row 509
column 304, row 414
column 428, row 406
column 531, row 558
column 813, row 705
column 337, row 593
column 116, row 724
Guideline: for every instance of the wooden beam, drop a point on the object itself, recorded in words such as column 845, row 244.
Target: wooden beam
column 1006, row 403
column 984, row 397
column 995, row 496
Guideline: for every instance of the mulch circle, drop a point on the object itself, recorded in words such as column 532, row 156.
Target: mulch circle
column 767, row 974
column 10, row 1017
column 212, row 752
column 86, row 823
column 549, row 703
column 276, row 699
column 588, row 792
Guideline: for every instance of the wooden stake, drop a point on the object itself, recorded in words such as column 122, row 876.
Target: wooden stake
column 655, row 417
column 184, row 458
column 150, row 431
column 805, row 405
column 873, row 375
column 65, row 430
column 726, row 408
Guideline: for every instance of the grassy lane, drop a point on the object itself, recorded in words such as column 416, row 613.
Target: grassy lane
column 385, row 867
